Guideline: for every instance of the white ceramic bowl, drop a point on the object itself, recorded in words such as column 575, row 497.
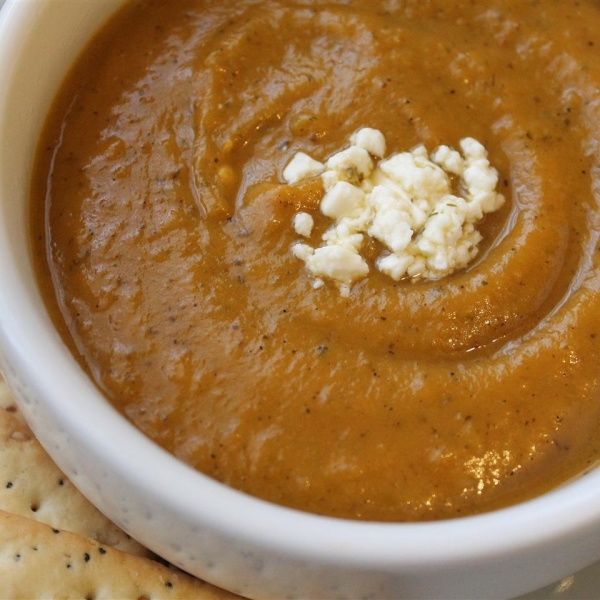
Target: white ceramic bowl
column 221, row 535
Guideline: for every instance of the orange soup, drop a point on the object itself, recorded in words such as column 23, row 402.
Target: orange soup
column 162, row 228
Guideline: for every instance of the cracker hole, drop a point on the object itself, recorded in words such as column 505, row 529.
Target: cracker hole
column 90, row 597
column 35, row 507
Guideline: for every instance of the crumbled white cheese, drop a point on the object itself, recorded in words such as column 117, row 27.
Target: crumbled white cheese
column 302, row 251
column 450, row 160
column 352, row 165
column 338, row 262
column 343, row 200
column 303, row 224
column 343, row 264
column 371, row 140
column 406, row 202
column 393, row 221
column 302, row 167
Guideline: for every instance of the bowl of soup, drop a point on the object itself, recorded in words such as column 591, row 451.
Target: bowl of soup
column 304, row 295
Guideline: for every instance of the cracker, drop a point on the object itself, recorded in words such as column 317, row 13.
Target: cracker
column 32, row 486
column 37, row 561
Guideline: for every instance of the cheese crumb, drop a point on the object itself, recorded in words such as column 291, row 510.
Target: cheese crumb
column 371, row 140
column 352, row 165
column 303, row 224
column 302, row 167
column 343, row 200
column 406, row 202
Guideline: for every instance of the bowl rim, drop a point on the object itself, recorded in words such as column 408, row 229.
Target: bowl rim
column 34, row 349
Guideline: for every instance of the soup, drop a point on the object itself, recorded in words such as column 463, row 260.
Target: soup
column 162, row 230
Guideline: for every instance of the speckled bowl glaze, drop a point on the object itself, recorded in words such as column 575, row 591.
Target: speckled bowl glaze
column 230, row 539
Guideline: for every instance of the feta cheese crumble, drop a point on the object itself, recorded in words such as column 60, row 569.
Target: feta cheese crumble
column 405, row 201
column 301, row 167
column 303, row 224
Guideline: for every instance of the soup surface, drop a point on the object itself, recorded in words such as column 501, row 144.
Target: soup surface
column 162, row 229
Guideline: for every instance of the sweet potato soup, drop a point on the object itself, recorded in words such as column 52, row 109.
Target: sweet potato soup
column 163, row 232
